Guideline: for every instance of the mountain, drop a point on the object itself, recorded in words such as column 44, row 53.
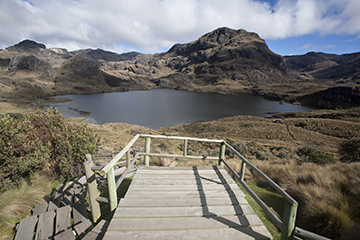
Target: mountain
column 225, row 60
column 341, row 69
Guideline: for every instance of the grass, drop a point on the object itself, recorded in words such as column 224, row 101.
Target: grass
column 328, row 195
column 16, row 204
column 272, row 200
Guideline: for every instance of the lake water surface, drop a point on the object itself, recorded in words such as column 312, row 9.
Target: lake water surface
column 163, row 107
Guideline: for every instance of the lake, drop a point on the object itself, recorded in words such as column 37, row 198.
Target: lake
column 163, row 107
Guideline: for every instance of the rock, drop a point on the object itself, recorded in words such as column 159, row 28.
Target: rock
column 31, row 63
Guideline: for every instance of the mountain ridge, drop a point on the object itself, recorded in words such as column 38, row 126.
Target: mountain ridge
column 225, row 60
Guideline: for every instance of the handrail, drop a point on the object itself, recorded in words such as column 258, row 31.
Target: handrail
column 182, row 138
column 287, row 197
column 113, row 162
column 287, row 226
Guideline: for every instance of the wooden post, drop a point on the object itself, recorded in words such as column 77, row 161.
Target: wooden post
column 112, row 189
column 242, row 172
column 128, row 159
column 92, row 187
column 147, row 150
column 289, row 220
column 222, row 154
column 185, row 148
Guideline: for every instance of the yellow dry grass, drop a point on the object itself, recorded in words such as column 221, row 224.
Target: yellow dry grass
column 17, row 203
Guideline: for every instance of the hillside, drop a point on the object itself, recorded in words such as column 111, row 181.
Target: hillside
column 225, row 60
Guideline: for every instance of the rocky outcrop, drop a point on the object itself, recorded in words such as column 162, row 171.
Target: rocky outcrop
column 32, row 63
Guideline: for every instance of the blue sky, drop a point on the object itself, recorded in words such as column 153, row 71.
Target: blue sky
column 290, row 27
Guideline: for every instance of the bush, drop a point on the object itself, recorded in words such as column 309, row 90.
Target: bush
column 350, row 150
column 260, row 155
column 311, row 154
column 43, row 142
column 283, row 154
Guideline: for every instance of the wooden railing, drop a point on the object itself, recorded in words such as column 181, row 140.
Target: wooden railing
column 287, row 226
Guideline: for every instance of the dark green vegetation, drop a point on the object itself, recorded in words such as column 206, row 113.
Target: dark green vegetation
column 42, row 142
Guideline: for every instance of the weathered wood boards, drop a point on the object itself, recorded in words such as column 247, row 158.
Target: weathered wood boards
column 62, row 218
column 184, row 203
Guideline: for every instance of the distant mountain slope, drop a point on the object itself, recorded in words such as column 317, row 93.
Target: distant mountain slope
column 343, row 68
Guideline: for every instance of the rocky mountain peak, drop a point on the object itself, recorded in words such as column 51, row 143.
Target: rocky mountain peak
column 228, row 35
column 27, row 46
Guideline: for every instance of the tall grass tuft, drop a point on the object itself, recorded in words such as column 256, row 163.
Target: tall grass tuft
column 17, row 203
column 328, row 195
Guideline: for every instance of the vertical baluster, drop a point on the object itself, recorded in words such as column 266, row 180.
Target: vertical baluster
column 128, row 159
column 112, row 188
column 242, row 172
column 222, row 154
column 185, row 148
column 147, row 150
column 92, row 187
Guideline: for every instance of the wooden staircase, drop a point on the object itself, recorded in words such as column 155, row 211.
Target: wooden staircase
column 184, row 203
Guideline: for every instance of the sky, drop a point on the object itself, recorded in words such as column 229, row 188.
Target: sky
column 289, row 27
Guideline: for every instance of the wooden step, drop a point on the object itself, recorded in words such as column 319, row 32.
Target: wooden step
column 184, row 203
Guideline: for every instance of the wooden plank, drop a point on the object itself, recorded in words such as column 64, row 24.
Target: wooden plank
column 178, row 176
column 154, row 170
column 136, row 187
column 63, row 218
column 134, row 212
column 40, row 208
column 168, row 202
column 65, row 235
column 80, row 205
column 176, row 182
column 81, row 223
column 52, row 206
column 45, row 226
column 259, row 233
column 156, row 223
column 26, row 228
column 67, row 197
column 98, row 231
column 185, row 194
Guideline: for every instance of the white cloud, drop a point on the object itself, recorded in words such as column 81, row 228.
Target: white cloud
column 155, row 25
column 312, row 47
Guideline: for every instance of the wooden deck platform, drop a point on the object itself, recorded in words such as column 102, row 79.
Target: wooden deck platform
column 184, row 203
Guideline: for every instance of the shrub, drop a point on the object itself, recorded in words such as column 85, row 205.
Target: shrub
column 320, row 158
column 306, row 151
column 350, row 150
column 311, row 154
column 283, row 154
column 260, row 155
column 241, row 148
column 43, row 141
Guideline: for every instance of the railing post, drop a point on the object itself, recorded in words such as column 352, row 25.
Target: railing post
column 128, row 159
column 185, row 148
column 92, row 187
column 222, row 154
column 242, row 172
column 112, row 188
column 147, row 150
column 289, row 218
